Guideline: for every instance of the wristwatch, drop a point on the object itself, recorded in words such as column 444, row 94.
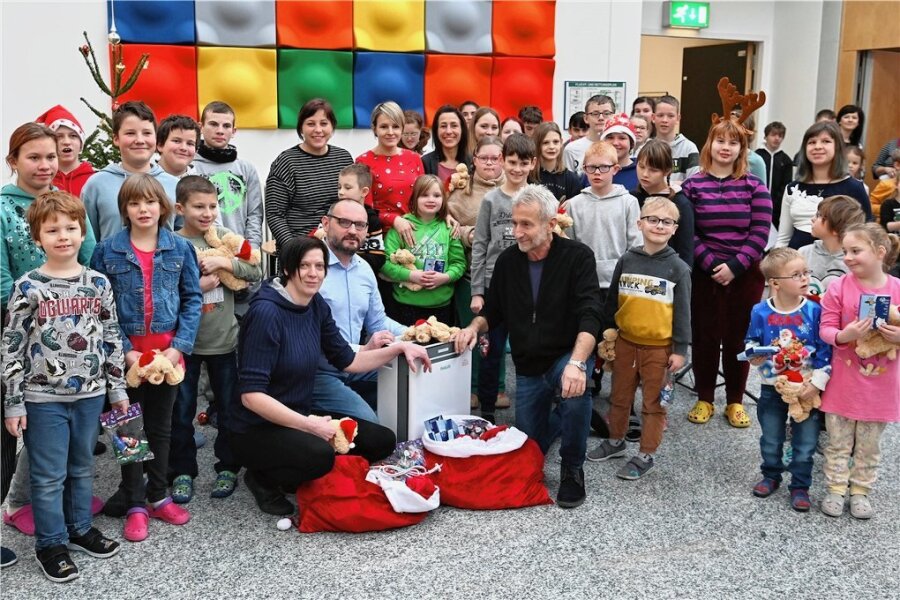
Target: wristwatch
column 578, row 364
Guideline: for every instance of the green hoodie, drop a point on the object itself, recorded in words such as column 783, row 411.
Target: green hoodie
column 20, row 254
column 433, row 241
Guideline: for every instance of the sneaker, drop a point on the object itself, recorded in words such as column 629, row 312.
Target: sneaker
column 800, row 500
column 635, row 468
column 599, row 424
column 571, row 492
column 860, row 507
column 115, row 506
column 226, row 482
column 136, row 525
column 182, row 489
column 607, row 450
column 634, row 430
column 766, row 487
column 269, row 500
column 169, row 512
column 56, row 564
column 94, row 543
column 22, row 519
column 832, row 505
column 7, row 557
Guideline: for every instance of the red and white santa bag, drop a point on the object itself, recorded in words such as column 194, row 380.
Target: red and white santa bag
column 414, row 493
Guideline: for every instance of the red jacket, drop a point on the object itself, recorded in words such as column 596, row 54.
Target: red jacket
column 74, row 180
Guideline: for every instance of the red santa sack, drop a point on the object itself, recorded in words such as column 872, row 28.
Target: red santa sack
column 490, row 482
column 343, row 500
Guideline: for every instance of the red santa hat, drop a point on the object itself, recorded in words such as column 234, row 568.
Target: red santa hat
column 619, row 124
column 58, row 117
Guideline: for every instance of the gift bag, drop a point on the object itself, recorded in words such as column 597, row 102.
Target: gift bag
column 126, row 434
column 343, row 500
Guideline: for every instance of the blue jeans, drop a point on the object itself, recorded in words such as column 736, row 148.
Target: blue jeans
column 772, row 413
column 571, row 419
column 60, row 439
column 351, row 394
column 489, row 370
column 223, row 378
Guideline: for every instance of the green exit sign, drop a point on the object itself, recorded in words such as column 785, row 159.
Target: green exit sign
column 686, row 15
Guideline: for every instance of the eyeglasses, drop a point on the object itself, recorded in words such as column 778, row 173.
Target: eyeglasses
column 347, row 223
column 412, row 135
column 591, row 169
column 654, row 221
column 597, row 114
column 795, row 276
column 488, row 159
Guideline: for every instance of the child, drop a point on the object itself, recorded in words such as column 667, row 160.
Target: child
column 856, row 159
column 597, row 110
column 354, row 183
column 467, row 110
column 61, row 354
column 685, row 156
column 440, row 258
column 493, row 235
column 530, row 116
column 620, row 134
column 176, row 142
column 73, row 173
column 155, row 278
column 779, row 166
column 885, row 194
column 240, row 194
column 790, row 321
column 732, row 219
column 415, row 135
column 553, row 174
column 134, row 134
column 652, row 310
column 641, row 125
column 509, row 126
column 654, row 164
column 825, row 257
column 577, row 127
column 864, row 394
column 196, row 202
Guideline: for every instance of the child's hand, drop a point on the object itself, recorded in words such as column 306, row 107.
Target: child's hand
column 853, row 331
column 722, row 274
column 405, row 230
column 477, row 304
column 757, row 360
column 209, row 282
column 453, row 224
column 211, row 264
column 433, row 279
column 131, row 357
column 808, row 391
column 891, row 333
column 121, row 406
column 16, row 425
column 417, row 277
column 173, row 355
column 676, row 362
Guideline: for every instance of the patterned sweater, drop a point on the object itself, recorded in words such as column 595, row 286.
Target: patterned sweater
column 62, row 343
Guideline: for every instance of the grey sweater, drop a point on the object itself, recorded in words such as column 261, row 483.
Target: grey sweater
column 493, row 235
column 240, row 196
column 825, row 266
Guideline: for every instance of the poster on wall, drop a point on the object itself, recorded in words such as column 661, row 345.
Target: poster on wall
column 577, row 93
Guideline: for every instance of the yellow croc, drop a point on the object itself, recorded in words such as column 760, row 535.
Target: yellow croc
column 737, row 416
column 702, row 412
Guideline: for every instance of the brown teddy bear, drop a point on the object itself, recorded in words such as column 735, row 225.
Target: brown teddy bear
column 231, row 245
column 459, row 180
column 405, row 258
column 606, row 349
column 798, row 409
column 432, row 330
column 873, row 342
column 344, row 433
column 563, row 222
column 154, row 368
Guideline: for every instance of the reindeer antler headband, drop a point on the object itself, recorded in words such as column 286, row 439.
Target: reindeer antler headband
column 730, row 98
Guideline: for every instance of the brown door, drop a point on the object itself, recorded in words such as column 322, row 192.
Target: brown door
column 882, row 116
column 701, row 69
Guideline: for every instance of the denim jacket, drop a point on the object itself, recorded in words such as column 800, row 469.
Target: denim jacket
column 176, row 287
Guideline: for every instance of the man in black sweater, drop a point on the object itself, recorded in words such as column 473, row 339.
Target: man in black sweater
column 545, row 291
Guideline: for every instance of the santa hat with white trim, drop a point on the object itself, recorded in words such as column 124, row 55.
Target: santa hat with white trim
column 619, row 124
column 58, row 117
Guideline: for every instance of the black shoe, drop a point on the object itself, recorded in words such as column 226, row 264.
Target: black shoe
column 116, row 506
column 571, row 487
column 599, row 424
column 99, row 448
column 7, row 557
column 94, row 543
column 269, row 500
column 56, row 564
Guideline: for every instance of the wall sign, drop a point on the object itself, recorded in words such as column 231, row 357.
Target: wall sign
column 686, row 15
column 578, row 92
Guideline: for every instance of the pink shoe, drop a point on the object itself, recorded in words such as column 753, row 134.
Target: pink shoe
column 96, row 505
column 22, row 519
column 170, row 512
column 136, row 523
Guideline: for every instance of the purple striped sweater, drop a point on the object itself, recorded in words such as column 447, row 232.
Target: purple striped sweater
column 732, row 218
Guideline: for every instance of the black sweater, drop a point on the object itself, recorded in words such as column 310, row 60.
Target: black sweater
column 568, row 303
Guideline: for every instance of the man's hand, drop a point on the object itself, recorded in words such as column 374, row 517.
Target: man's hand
column 379, row 340
column 414, row 351
column 464, row 339
column 573, row 382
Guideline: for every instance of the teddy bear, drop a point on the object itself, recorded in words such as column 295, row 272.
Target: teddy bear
column 798, row 408
column 873, row 342
column 405, row 258
column 606, row 349
column 154, row 367
column 459, row 180
column 424, row 331
column 344, row 433
column 231, row 245
column 563, row 222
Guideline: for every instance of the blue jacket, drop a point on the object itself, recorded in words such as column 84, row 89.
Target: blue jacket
column 176, row 287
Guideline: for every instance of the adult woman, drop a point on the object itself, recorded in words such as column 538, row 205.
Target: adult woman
column 509, row 126
column 485, row 122
column 822, row 173
column 553, row 174
column 851, row 119
column 415, row 136
column 303, row 180
column 284, row 334
column 451, row 139
column 394, row 170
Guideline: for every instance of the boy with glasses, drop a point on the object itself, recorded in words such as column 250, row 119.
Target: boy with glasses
column 597, row 110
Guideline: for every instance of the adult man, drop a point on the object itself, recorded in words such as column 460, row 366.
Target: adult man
column 545, row 291
column 351, row 291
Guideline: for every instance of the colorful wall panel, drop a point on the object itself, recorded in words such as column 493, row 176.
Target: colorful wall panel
column 245, row 78
column 453, row 79
column 389, row 25
column 169, row 81
column 314, row 24
column 245, row 23
column 307, row 74
column 461, row 27
column 381, row 76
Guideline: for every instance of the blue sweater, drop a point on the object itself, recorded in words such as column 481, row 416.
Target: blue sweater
column 279, row 348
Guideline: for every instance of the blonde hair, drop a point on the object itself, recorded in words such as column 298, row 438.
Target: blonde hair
column 391, row 110
column 661, row 203
column 773, row 263
column 602, row 149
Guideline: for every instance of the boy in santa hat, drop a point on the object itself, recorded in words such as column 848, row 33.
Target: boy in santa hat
column 73, row 173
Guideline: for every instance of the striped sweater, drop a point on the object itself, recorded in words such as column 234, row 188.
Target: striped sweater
column 732, row 218
column 300, row 189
